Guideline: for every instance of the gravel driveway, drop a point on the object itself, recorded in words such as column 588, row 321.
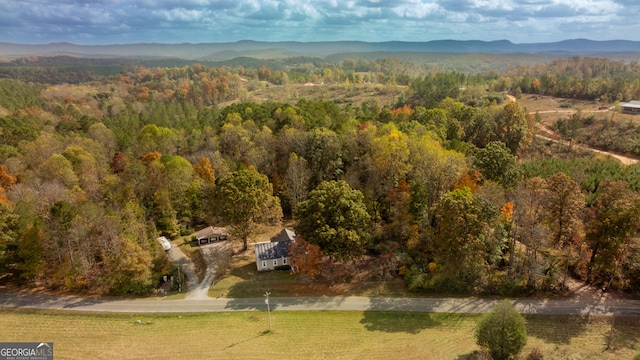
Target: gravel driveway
column 179, row 259
column 215, row 255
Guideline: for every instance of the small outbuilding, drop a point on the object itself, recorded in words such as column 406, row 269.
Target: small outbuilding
column 164, row 242
column 275, row 253
column 631, row 107
column 211, row 234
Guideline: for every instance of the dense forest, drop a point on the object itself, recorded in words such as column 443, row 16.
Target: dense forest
column 432, row 174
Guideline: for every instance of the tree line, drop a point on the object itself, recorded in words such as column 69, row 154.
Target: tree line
column 431, row 187
column 585, row 78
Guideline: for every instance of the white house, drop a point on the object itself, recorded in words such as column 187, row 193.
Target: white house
column 274, row 253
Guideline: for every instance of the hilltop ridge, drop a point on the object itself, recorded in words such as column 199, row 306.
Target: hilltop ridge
column 262, row 49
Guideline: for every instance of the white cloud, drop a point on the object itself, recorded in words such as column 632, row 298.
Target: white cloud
column 303, row 20
column 420, row 10
column 180, row 15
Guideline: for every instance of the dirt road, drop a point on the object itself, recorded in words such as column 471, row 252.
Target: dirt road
column 550, row 135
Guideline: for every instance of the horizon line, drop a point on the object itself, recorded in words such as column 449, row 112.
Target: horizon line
column 313, row 42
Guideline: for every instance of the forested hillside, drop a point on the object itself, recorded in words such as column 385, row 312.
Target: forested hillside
column 94, row 168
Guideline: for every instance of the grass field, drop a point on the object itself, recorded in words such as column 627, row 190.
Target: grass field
column 304, row 335
column 552, row 108
column 354, row 94
column 243, row 280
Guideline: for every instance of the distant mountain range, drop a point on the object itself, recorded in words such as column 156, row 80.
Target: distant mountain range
column 272, row 50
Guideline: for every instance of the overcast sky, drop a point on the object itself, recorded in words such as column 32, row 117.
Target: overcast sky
column 203, row 21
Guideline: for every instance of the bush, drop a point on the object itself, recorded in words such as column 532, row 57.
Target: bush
column 497, row 97
column 185, row 230
column 415, row 279
column 502, row 331
column 536, row 354
column 478, row 355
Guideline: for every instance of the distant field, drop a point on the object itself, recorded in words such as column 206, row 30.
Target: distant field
column 304, row 335
column 552, row 108
column 545, row 103
column 354, row 94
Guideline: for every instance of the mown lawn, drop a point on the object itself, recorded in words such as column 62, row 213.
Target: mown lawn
column 243, row 280
column 304, row 335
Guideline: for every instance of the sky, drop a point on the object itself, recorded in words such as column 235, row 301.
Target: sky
column 98, row 22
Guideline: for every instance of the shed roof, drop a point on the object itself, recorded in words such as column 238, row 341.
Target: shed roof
column 631, row 104
column 272, row 250
column 164, row 242
column 209, row 231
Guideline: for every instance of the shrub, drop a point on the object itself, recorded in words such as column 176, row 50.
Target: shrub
column 502, row 331
column 478, row 355
column 535, row 354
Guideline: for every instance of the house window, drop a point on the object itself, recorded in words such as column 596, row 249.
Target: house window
column 284, row 261
column 264, row 264
column 275, row 262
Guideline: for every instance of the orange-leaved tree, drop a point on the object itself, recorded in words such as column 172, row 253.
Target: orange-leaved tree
column 305, row 257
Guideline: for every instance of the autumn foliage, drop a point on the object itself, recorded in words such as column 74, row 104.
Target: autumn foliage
column 403, row 112
column 102, row 165
column 470, row 180
column 6, row 179
column 204, row 170
column 306, row 257
column 150, row 157
column 507, row 211
column 6, row 182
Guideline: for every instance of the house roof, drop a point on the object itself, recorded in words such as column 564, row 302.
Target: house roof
column 272, row 250
column 209, row 231
column 284, row 235
column 631, row 104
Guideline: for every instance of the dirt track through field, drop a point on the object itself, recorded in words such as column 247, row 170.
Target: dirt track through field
column 552, row 136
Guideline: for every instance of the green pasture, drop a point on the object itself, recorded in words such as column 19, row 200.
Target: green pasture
column 305, row 335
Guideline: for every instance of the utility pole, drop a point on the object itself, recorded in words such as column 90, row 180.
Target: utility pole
column 266, row 301
column 612, row 329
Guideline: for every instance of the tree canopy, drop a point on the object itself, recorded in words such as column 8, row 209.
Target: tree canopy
column 612, row 223
column 335, row 218
column 97, row 163
column 244, row 199
column 464, row 246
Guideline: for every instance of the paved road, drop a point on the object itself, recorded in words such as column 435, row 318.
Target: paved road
column 444, row 305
